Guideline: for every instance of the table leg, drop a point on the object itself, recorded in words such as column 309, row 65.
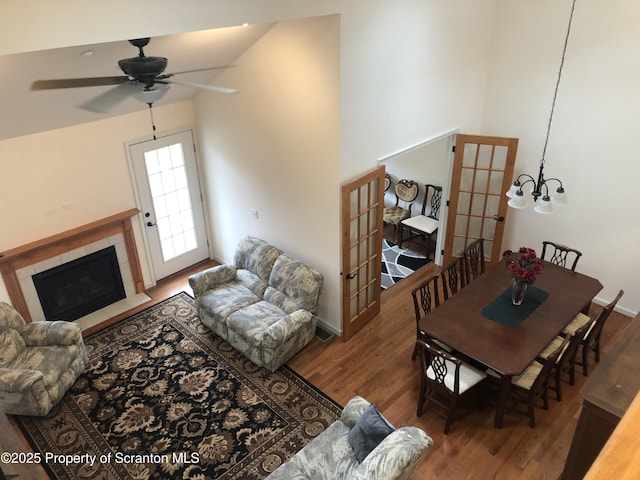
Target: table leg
column 503, row 396
column 586, row 308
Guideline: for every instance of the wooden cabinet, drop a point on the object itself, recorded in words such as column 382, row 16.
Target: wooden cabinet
column 606, row 396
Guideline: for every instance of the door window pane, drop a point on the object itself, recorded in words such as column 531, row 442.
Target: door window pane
column 169, row 188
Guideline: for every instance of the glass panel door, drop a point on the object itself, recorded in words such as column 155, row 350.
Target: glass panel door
column 168, row 190
column 482, row 172
column 362, row 204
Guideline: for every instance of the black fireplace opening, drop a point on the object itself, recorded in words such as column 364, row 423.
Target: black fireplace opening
column 77, row 288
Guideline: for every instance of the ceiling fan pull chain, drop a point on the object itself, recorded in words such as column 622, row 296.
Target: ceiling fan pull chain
column 153, row 123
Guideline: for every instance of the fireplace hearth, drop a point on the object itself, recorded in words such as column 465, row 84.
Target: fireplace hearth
column 80, row 287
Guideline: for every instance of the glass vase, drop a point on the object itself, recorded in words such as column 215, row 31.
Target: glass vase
column 518, row 289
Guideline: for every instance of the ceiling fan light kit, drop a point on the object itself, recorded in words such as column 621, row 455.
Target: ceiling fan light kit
column 540, row 188
column 151, row 95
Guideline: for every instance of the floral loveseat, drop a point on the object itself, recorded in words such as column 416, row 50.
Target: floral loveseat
column 333, row 455
column 39, row 362
column 264, row 305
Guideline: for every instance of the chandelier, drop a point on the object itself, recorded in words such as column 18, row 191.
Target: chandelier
column 540, row 186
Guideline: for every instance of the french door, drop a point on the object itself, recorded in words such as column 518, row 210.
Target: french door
column 362, row 205
column 166, row 178
column 482, row 173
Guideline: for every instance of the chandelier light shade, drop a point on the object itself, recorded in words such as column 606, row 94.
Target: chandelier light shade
column 540, row 188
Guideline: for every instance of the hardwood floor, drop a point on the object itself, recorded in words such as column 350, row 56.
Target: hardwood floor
column 376, row 364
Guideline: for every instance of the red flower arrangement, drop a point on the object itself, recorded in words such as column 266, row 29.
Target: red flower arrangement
column 526, row 267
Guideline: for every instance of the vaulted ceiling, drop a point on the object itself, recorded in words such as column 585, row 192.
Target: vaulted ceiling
column 25, row 111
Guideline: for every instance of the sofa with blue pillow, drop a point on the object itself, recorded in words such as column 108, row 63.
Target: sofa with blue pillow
column 361, row 445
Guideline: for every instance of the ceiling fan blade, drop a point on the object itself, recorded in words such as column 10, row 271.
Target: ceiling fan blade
column 78, row 82
column 213, row 88
column 109, row 99
column 222, row 67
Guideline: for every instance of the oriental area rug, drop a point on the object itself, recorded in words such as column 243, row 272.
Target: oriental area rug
column 164, row 397
column 398, row 263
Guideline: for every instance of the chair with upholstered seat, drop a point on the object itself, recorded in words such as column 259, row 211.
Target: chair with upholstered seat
column 448, row 382
column 39, row 362
column 425, row 299
column 406, row 193
column 560, row 254
column 533, row 384
column 474, row 256
column 454, row 276
column 426, row 224
column 566, row 362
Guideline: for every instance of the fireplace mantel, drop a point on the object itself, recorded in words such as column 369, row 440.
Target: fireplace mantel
column 30, row 253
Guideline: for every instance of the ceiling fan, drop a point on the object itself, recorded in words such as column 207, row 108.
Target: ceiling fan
column 143, row 79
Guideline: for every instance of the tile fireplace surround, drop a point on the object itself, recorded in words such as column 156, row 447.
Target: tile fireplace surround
column 18, row 264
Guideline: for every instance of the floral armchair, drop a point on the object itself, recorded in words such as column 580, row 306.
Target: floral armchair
column 39, row 362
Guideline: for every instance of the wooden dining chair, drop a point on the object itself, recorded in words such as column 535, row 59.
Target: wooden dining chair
column 425, row 299
column 454, row 277
column 560, row 254
column 591, row 340
column 532, row 385
column 566, row 362
column 426, row 224
column 448, row 382
column 474, row 257
column 406, row 193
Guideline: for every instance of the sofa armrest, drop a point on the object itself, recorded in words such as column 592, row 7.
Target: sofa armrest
column 17, row 381
column 353, row 410
column 278, row 333
column 397, row 457
column 210, row 278
column 47, row 333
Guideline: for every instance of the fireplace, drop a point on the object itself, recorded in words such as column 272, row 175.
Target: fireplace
column 79, row 287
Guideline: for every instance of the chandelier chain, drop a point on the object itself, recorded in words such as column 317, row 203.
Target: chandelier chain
column 555, row 93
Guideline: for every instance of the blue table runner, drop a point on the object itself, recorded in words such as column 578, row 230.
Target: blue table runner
column 503, row 311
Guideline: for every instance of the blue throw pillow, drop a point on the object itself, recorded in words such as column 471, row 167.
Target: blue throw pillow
column 370, row 429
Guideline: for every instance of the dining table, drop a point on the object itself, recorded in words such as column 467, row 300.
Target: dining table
column 481, row 322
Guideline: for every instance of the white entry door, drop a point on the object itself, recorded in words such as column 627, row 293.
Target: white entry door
column 166, row 176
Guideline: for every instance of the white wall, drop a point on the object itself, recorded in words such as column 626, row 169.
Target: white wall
column 426, row 163
column 595, row 124
column 408, row 70
column 274, row 147
column 380, row 111
column 411, row 69
column 84, row 167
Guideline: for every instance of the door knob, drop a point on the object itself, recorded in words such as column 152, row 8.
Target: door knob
column 149, row 223
column 498, row 219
